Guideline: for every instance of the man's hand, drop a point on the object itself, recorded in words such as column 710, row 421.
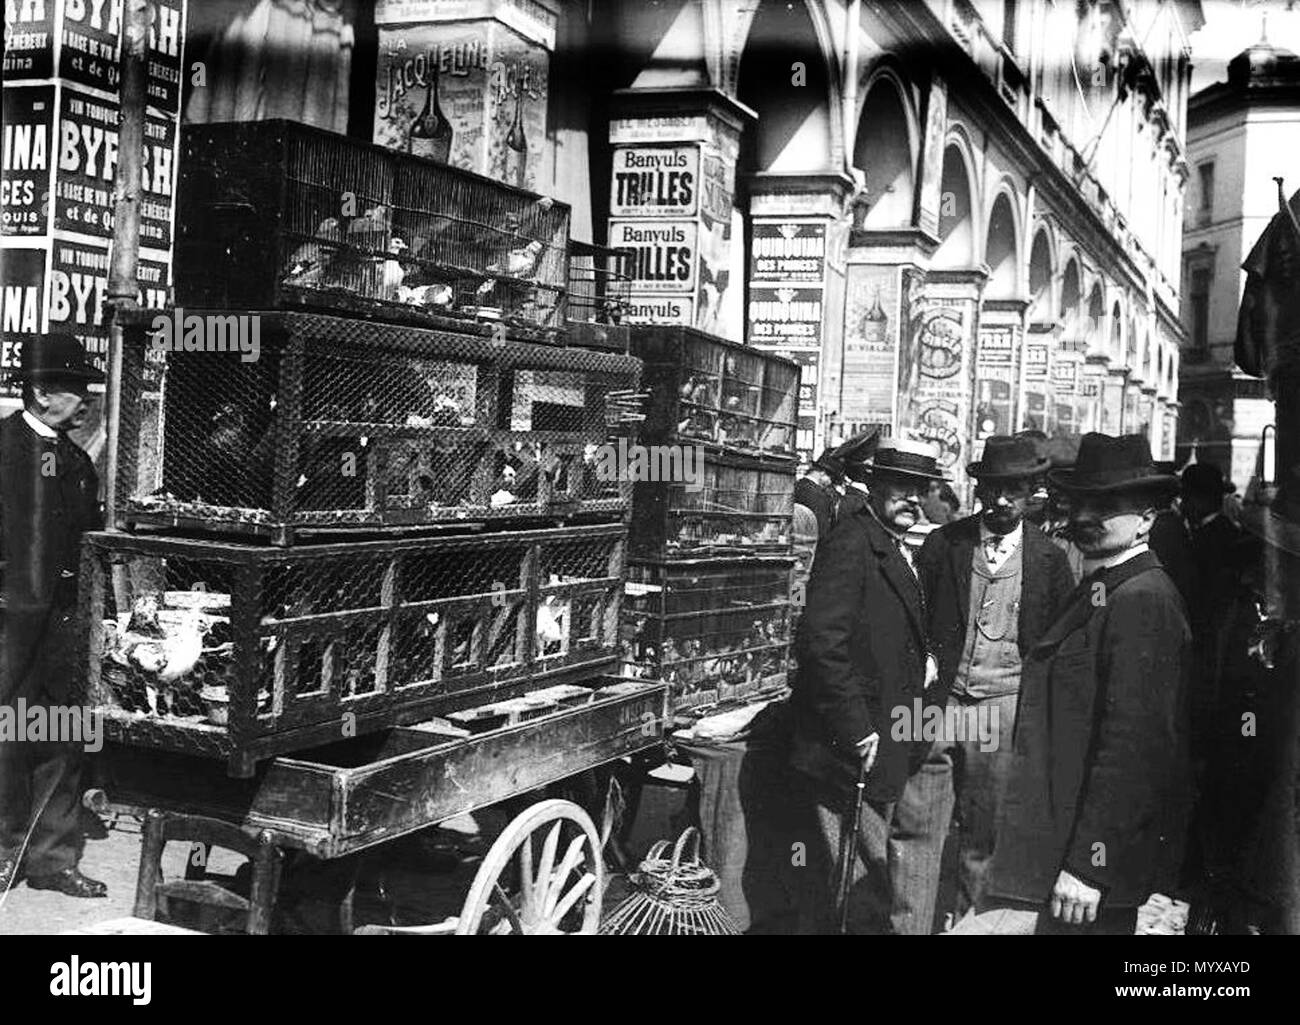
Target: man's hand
column 931, row 671
column 1073, row 900
column 867, row 749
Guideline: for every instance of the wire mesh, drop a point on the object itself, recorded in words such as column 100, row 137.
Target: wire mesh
column 718, row 392
column 714, row 632
column 342, row 423
column 196, row 637
column 600, row 283
column 736, row 506
column 275, row 214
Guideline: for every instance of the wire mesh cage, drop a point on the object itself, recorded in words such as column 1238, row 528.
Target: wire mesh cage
column 734, row 505
column 343, row 423
column 599, row 292
column 715, row 631
column 274, row 214
column 242, row 652
column 718, row 392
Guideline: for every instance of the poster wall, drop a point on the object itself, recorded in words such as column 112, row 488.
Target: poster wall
column 871, row 333
column 60, row 152
column 1035, row 384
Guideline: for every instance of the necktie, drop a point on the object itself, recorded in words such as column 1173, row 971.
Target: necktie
column 992, row 548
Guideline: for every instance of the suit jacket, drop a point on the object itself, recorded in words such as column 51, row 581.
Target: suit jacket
column 945, row 567
column 1100, row 780
column 862, row 655
column 1172, row 543
column 48, row 499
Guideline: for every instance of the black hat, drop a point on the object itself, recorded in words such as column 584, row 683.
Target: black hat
column 851, row 456
column 899, row 457
column 1205, row 479
column 1107, row 465
column 55, row 356
column 830, row 463
column 1007, row 458
column 1063, row 450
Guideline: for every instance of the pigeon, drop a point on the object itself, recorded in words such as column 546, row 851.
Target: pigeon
column 393, row 271
column 519, row 263
column 426, row 295
column 309, row 262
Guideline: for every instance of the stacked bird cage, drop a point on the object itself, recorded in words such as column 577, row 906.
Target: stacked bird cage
column 707, row 606
column 351, row 374
column 600, row 286
column 275, row 214
column 239, row 651
column 336, row 423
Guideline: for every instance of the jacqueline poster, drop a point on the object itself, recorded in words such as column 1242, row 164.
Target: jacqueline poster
column 870, row 345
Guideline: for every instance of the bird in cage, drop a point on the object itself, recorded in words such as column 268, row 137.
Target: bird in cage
column 307, row 265
column 554, row 615
column 393, row 272
column 519, row 263
column 370, row 229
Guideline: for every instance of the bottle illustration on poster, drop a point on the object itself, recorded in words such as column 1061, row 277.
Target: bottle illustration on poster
column 431, row 133
column 517, row 144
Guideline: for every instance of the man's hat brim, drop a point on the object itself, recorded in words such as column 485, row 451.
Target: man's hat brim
column 1064, row 479
column 85, row 373
column 893, row 471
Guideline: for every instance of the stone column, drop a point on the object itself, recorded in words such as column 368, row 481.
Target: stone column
column 798, row 235
column 671, row 205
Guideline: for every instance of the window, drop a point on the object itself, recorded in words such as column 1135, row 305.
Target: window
column 1206, row 173
column 1199, row 297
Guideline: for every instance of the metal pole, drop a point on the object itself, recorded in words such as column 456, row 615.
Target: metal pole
column 123, row 286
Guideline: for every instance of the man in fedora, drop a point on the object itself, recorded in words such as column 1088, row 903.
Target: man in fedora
column 992, row 586
column 48, row 499
column 863, row 655
column 1093, row 818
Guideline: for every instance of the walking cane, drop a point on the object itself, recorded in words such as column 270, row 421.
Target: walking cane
column 848, row 840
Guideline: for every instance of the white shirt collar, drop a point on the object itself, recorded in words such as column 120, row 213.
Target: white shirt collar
column 44, row 430
column 1119, row 558
column 1016, row 537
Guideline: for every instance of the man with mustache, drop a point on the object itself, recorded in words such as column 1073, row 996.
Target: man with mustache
column 863, row 654
column 1094, row 814
column 993, row 584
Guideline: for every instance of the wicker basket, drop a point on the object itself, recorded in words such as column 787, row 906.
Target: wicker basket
column 675, row 896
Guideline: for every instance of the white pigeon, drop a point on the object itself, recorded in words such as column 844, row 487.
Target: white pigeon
column 393, row 272
column 519, row 263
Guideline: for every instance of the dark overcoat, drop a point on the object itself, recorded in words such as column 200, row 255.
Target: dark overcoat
column 861, row 656
column 49, row 497
column 1101, row 778
column 821, row 500
column 945, row 563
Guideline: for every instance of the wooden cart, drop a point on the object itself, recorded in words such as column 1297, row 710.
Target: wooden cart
column 355, row 795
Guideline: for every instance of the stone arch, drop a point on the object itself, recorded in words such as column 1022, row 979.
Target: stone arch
column 957, row 243
column 1042, row 276
column 1095, row 327
column 1002, row 248
column 797, row 127
column 885, row 150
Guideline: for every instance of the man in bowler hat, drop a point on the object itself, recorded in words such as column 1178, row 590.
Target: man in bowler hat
column 864, row 655
column 48, row 499
column 1094, row 814
column 992, row 586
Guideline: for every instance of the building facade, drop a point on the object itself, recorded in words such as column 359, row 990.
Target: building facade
column 999, row 187
column 1241, row 135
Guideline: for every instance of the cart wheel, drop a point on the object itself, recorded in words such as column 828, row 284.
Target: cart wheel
column 558, row 893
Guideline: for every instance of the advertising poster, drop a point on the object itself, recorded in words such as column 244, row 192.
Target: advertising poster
column 871, row 320
column 29, row 40
column 785, row 316
column 995, row 380
column 661, row 254
column 788, row 253
column 87, row 159
column 79, row 286
column 938, row 403
column 1035, row 385
column 27, row 114
column 22, row 287
column 655, row 181
column 809, row 361
column 472, row 94
column 936, row 121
